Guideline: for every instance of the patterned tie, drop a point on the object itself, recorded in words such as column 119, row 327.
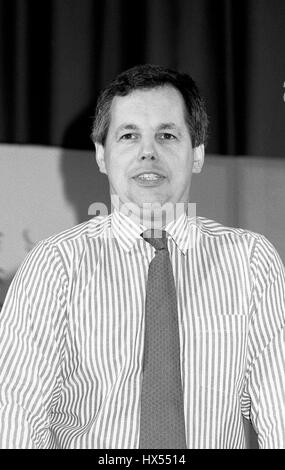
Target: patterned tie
column 162, row 423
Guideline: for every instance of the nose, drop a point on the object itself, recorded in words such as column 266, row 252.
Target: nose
column 147, row 150
column 147, row 156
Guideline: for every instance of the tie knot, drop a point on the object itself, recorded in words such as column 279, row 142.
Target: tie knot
column 157, row 238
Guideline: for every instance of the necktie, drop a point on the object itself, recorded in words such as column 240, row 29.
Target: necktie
column 162, row 423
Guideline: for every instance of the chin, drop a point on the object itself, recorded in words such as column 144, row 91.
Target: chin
column 149, row 205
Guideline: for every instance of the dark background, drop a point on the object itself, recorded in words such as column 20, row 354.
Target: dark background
column 55, row 56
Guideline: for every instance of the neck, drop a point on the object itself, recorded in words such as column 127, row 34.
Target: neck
column 153, row 216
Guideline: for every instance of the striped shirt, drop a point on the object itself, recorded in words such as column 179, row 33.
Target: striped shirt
column 72, row 329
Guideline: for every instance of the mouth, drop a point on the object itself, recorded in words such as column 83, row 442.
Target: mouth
column 149, row 179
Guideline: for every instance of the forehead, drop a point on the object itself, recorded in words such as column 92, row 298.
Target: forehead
column 154, row 103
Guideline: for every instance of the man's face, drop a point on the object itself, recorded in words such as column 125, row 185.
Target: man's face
column 148, row 155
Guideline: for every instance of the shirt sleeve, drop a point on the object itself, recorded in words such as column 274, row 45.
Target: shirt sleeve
column 32, row 331
column 265, row 376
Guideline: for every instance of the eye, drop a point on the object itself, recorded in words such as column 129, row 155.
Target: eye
column 129, row 136
column 167, row 136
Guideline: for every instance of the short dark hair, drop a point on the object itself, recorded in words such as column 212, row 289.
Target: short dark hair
column 152, row 76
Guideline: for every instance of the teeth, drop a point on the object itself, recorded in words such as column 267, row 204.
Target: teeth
column 149, row 176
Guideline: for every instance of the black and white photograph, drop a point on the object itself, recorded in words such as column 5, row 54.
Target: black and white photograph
column 142, row 227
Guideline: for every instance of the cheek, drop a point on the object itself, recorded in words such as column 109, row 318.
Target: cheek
column 114, row 165
column 117, row 175
column 181, row 169
column 120, row 168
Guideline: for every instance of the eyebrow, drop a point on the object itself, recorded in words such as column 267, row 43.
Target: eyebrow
column 126, row 127
column 134, row 127
column 167, row 125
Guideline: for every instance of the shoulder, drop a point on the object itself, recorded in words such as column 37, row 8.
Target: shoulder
column 93, row 228
column 63, row 248
column 256, row 246
column 216, row 229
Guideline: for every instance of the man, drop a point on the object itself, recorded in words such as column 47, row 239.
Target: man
column 74, row 327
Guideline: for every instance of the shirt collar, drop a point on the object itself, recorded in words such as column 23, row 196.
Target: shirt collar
column 127, row 232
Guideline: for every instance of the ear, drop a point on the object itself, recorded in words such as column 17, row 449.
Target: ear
column 100, row 157
column 198, row 162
